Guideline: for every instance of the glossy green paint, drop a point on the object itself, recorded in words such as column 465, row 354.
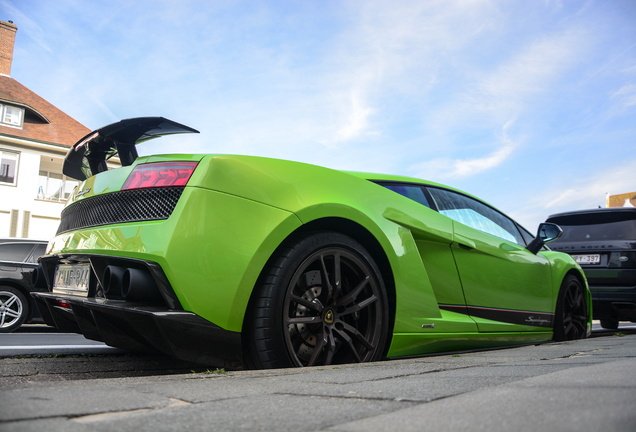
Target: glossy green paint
column 500, row 274
column 563, row 264
column 169, row 158
column 312, row 193
column 108, row 181
column 218, row 249
column 237, row 210
column 205, row 253
column 416, row 344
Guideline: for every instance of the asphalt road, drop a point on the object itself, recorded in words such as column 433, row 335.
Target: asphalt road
column 622, row 327
column 40, row 340
column 585, row 385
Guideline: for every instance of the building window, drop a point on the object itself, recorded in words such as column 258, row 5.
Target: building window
column 52, row 184
column 11, row 116
column 55, row 186
column 9, row 167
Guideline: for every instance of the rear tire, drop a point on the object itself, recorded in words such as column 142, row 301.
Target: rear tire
column 14, row 309
column 609, row 324
column 570, row 321
column 321, row 301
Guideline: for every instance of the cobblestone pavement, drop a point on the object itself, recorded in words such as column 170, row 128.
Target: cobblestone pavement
column 584, row 385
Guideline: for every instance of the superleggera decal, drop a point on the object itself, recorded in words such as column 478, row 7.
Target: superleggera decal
column 537, row 319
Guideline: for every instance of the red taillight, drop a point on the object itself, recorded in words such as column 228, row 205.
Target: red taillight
column 63, row 304
column 160, row 174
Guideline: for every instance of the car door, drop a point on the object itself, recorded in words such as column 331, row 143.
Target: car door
column 436, row 257
column 16, row 264
column 507, row 288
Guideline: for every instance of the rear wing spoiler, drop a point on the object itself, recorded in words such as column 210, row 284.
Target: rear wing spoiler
column 88, row 156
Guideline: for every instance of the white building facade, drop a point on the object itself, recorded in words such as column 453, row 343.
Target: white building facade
column 34, row 138
column 32, row 199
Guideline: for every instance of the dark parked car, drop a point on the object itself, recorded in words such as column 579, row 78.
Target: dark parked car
column 603, row 242
column 18, row 264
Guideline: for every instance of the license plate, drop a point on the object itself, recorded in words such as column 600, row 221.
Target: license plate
column 587, row 259
column 72, row 279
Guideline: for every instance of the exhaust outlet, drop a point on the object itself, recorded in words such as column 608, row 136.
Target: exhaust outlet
column 138, row 285
column 112, row 279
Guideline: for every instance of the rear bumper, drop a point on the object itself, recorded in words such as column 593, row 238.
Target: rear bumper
column 141, row 327
column 614, row 303
column 613, row 288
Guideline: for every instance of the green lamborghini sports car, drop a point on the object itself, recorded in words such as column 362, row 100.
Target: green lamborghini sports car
column 250, row 262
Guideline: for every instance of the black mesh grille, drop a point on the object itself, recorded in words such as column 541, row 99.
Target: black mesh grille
column 119, row 207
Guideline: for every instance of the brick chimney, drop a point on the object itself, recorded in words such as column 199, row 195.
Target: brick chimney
column 7, row 39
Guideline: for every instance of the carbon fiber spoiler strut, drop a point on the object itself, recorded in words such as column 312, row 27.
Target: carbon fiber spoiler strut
column 88, row 156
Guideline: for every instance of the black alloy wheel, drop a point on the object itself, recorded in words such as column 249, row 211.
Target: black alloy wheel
column 571, row 312
column 323, row 302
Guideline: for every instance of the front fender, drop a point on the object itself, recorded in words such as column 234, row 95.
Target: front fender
column 562, row 265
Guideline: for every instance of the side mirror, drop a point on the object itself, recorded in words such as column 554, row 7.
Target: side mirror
column 547, row 232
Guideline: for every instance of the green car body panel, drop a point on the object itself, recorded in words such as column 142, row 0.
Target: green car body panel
column 236, row 211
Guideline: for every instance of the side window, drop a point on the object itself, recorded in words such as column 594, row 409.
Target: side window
column 11, row 115
column 410, row 191
column 15, row 252
column 475, row 215
column 9, row 162
column 526, row 235
column 40, row 250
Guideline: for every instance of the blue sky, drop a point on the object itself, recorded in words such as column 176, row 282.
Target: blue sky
column 530, row 105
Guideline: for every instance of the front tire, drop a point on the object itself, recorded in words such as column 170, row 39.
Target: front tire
column 14, row 309
column 570, row 320
column 322, row 301
column 609, row 324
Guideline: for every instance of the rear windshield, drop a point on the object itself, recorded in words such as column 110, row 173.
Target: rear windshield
column 590, row 227
column 39, row 251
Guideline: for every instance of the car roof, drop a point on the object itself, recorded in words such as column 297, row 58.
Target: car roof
column 22, row 240
column 599, row 211
column 405, row 179
column 388, row 177
column 594, row 216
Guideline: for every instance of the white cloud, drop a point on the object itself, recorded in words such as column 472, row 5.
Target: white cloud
column 358, row 120
column 579, row 193
column 374, row 85
column 26, row 25
column 449, row 168
column 389, row 53
column 626, row 95
column 570, row 195
column 523, row 79
column 464, row 168
column 532, row 70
